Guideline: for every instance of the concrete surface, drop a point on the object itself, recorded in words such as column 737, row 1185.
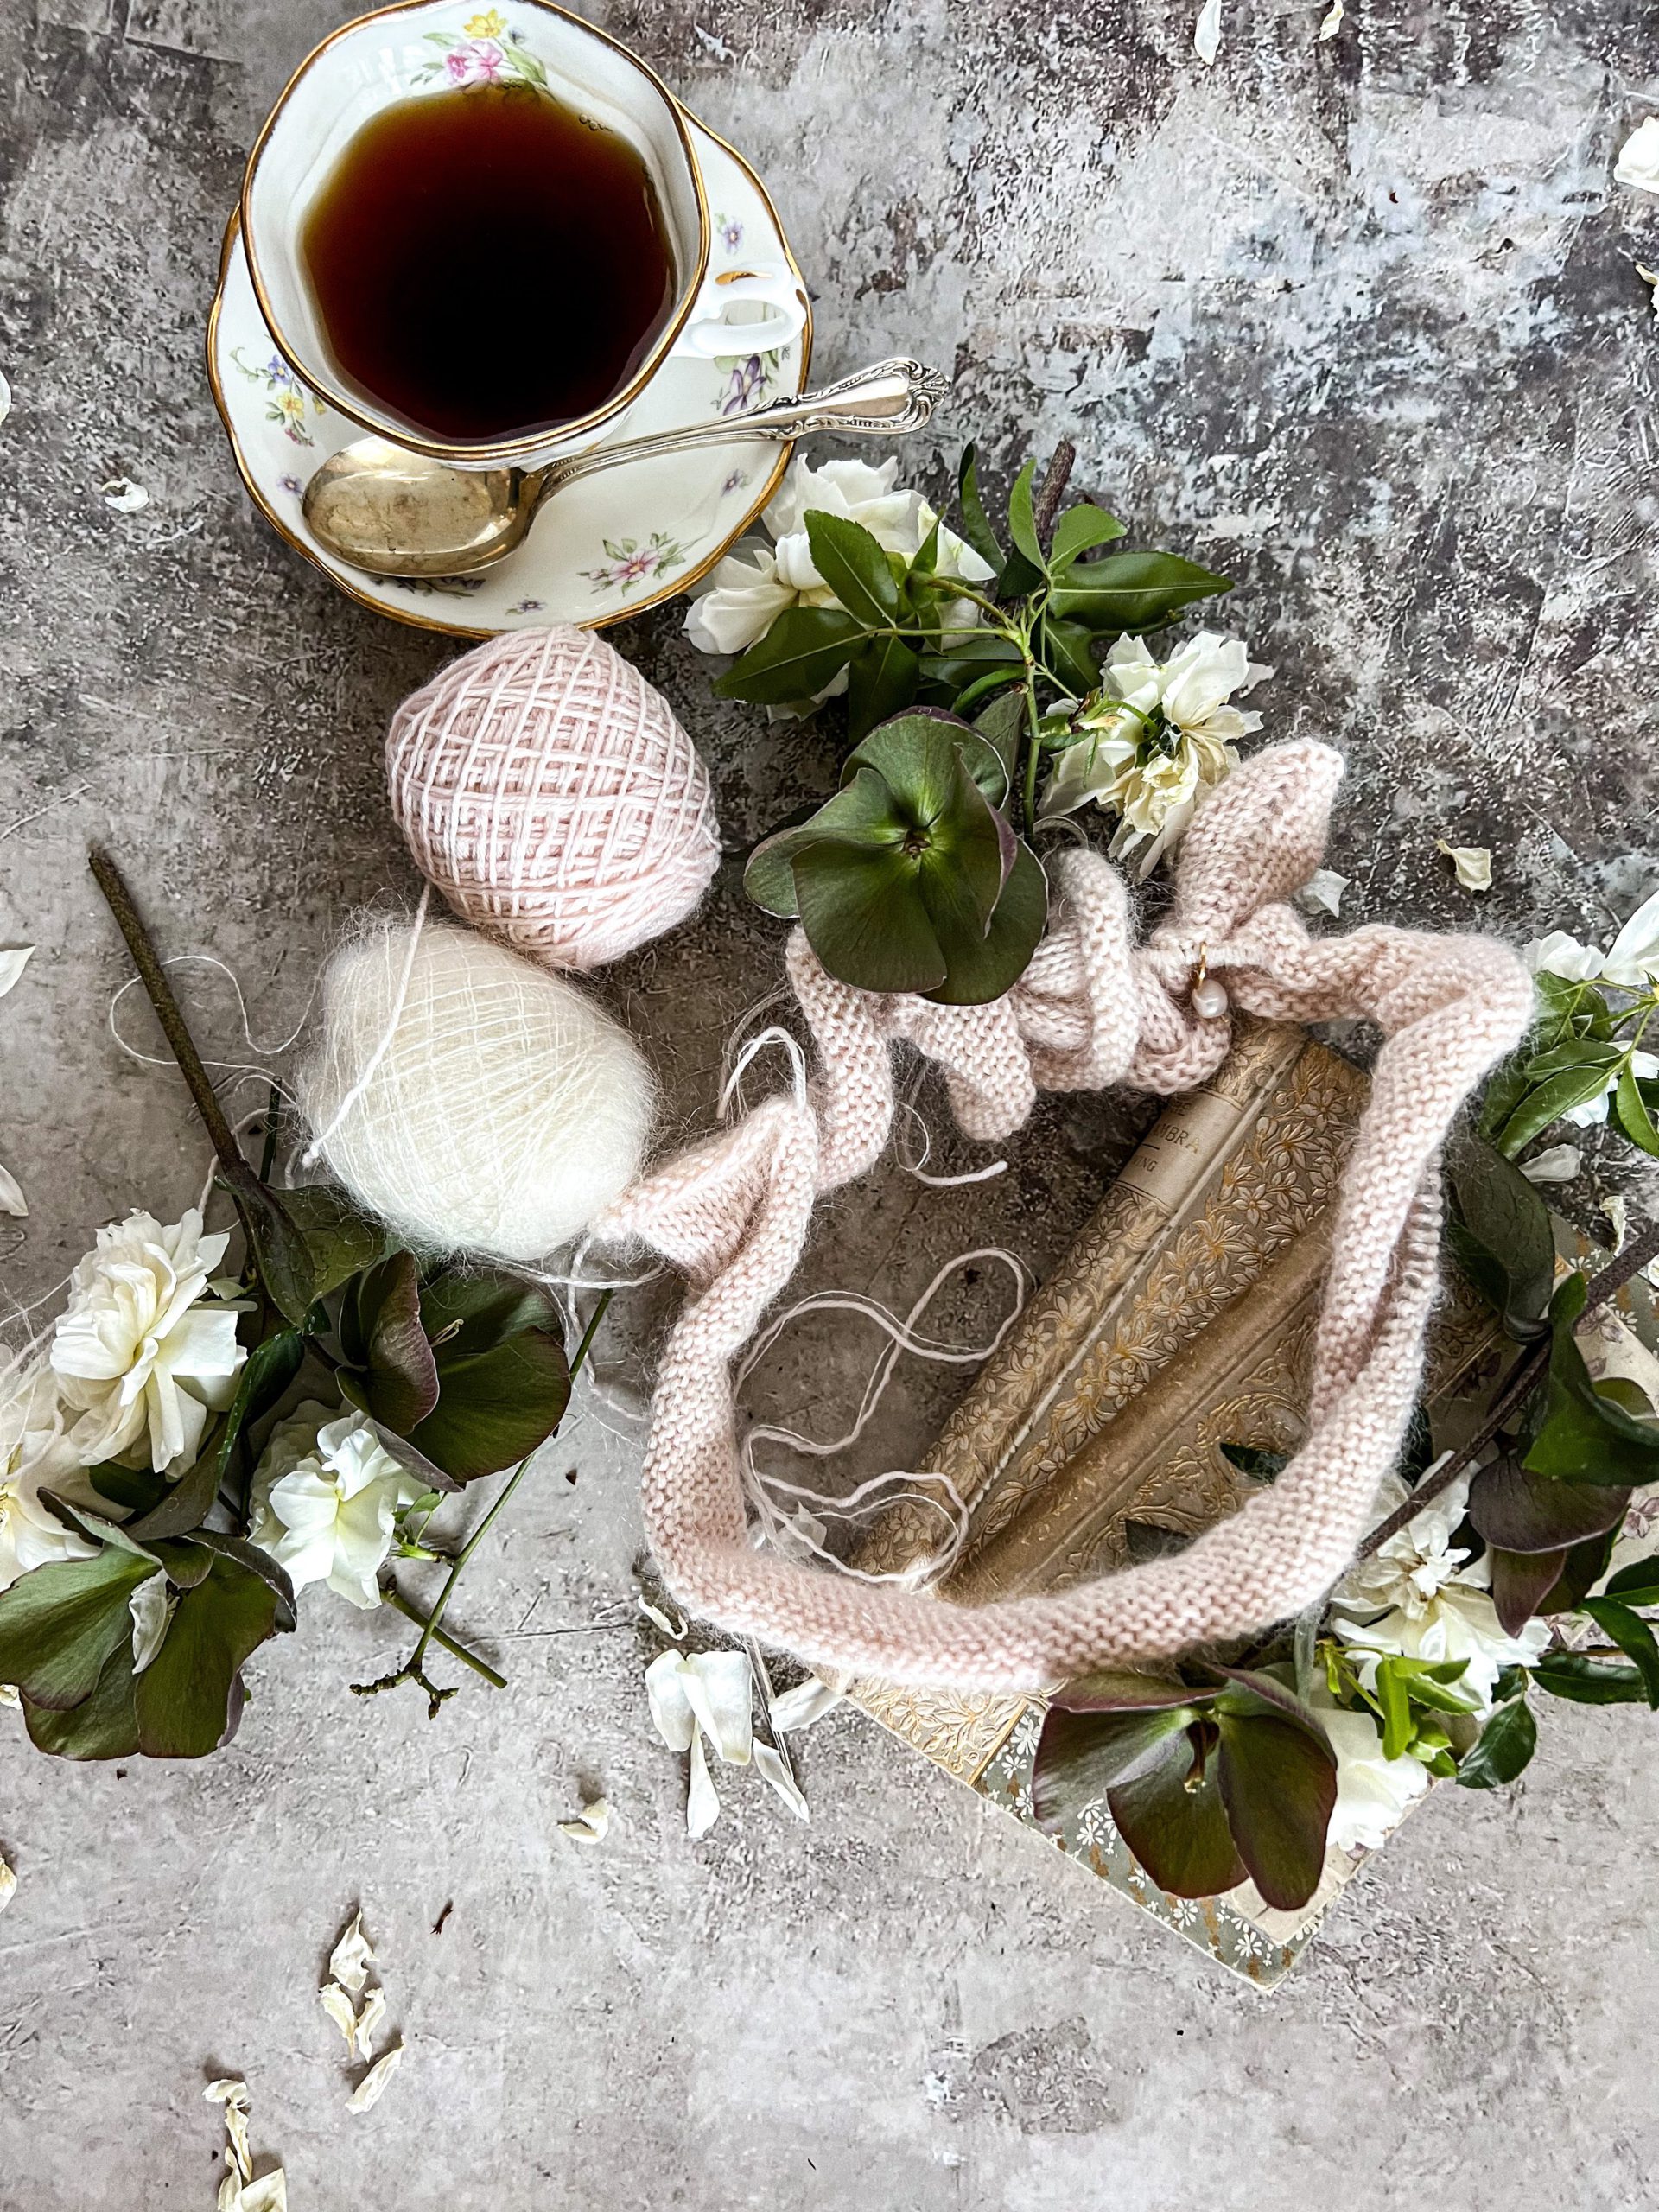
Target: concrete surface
column 1357, row 320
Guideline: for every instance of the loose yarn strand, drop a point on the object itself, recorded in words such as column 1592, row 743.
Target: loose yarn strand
column 357, row 1091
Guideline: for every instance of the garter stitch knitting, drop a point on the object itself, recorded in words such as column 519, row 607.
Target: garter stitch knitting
column 733, row 1215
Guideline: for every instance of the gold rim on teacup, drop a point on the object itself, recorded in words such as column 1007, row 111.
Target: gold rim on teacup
column 319, row 372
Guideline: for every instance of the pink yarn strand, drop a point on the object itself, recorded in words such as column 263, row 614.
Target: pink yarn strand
column 733, row 1215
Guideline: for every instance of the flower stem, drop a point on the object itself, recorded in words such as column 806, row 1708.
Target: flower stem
column 392, row 1596
column 1045, row 505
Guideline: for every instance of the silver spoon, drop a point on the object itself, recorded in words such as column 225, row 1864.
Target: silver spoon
column 397, row 513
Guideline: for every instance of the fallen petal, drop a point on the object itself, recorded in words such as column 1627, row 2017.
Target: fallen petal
column 11, row 1196
column 340, row 2009
column 125, row 497
column 671, row 1708
column 1473, row 864
column 6, row 399
column 9, row 1694
column 1206, row 32
column 7, row 1885
column 228, row 2090
column 1332, row 22
column 701, row 1804
column 771, row 1763
column 658, row 1618
column 590, row 1824
column 368, row 2022
column 1322, row 892
column 267, row 2193
column 1559, row 1165
column 352, row 1957
column 720, row 1688
column 799, row 1707
column 15, row 959
column 370, row 2090
column 236, row 2126
column 1618, row 1212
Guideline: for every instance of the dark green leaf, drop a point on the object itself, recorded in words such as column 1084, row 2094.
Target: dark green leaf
column 60, row 1623
column 495, row 1405
column 214, row 1542
column 1585, row 1437
column 1505, row 1745
column 1079, row 530
column 1064, row 648
column 341, row 1240
column 1080, row 1756
column 1564, row 1058
column 1520, row 1583
column 805, row 649
column 1632, row 1636
column 1585, row 1565
column 103, row 1726
column 1124, row 1689
column 81, row 1522
column 184, row 1561
column 925, row 559
column 184, row 1697
column 1589, row 1681
column 977, row 972
column 861, row 813
column 1506, row 1246
column 278, row 1248
column 854, row 566
column 880, row 681
column 975, row 525
column 864, row 918
column 999, row 679
column 1001, row 724
column 135, row 1487
column 398, row 1380
column 1525, row 1512
column 464, row 1313
column 1503, row 1095
column 1025, row 568
column 1546, row 1103
column 1636, row 1584
column 1278, row 1783
column 1174, row 1820
column 1132, row 591
column 1261, row 1466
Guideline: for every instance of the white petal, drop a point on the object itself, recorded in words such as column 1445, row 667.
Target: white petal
column 11, row 1197
column 1333, row 20
column 1559, row 1165
column 368, row 2022
column 1473, row 864
column 125, row 497
column 658, row 1618
column 1633, row 956
column 7, row 1885
column 720, row 1688
column 229, row 2089
column 1650, row 278
column 590, row 1824
column 236, row 2126
column 1206, row 32
column 1639, row 157
column 1322, row 892
column 229, row 2191
column 352, row 1957
column 6, row 399
column 671, row 1709
column 801, row 1706
column 267, row 2193
column 340, row 2009
column 151, row 1608
column 771, row 1763
column 1617, row 1213
column 9, row 1695
column 370, row 2090
column 701, row 1804
column 15, row 959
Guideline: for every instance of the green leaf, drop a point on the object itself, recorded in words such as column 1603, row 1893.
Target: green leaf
column 1080, row 1756
column 1505, row 1747
column 1630, row 1109
column 978, row 971
column 1636, row 1584
column 1278, row 1785
column 854, row 566
column 1585, row 1565
column 1632, row 1636
column 101, row 1726
column 1078, row 530
column 278, row 1248
column 1504, row 1093
column 1131, row 591
column 1002, row 725
column 861, row 813
column 1123, row 1689
column 880, row 681
column 976, row 524
column 1064, row 649
column 341, row 1240
column 1172, row 1817
column 1564, row 1058
column 266, row 1373
column 1505, row 1247
column 1525, row 1512
column 865, row 920
column 216, row 1541
column 136, row 1488
column 1585, row 1437
column 1546, row 1104
column 1022, row 527
column 504, row 1381
column 60, row 1623
column 999, row 679
column 1589, row 1681
column 1397, row 1729
column 396, row 1378
column 805, row 649
column 184, row 1698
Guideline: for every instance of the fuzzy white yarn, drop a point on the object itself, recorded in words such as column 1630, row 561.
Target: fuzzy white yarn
column 467, row 1097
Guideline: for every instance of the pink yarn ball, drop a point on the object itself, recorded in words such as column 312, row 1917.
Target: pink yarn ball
column 548, row 791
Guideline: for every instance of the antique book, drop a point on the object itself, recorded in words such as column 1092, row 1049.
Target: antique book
column 1181, row 1319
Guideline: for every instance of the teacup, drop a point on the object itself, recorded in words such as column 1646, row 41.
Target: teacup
column 424, row 46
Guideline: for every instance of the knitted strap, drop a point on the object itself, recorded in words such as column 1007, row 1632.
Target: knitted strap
column 734, row 1214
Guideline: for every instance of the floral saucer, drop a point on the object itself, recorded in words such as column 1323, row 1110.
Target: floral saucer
column 605, row 549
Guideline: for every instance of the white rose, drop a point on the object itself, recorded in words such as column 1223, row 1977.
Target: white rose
column 32, row 1453
column 1372, row 1792
column 325, row 1495
column 1639, row 157
column 744, row 599
column 136, row 1353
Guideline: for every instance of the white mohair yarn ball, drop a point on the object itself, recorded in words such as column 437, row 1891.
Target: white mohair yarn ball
column 470, row 1100
column 549, row 794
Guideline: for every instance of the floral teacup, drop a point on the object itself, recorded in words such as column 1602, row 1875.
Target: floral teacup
column 422, row 46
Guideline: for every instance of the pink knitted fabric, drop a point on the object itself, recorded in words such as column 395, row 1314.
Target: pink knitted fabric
column 548, row 792
column 733, row 1215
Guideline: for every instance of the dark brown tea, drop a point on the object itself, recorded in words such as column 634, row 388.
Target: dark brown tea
column 485, row 264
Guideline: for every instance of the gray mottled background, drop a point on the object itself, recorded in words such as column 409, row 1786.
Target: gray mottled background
column 1358, row 322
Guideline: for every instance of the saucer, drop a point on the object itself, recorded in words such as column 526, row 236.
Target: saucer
column 610, row 545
